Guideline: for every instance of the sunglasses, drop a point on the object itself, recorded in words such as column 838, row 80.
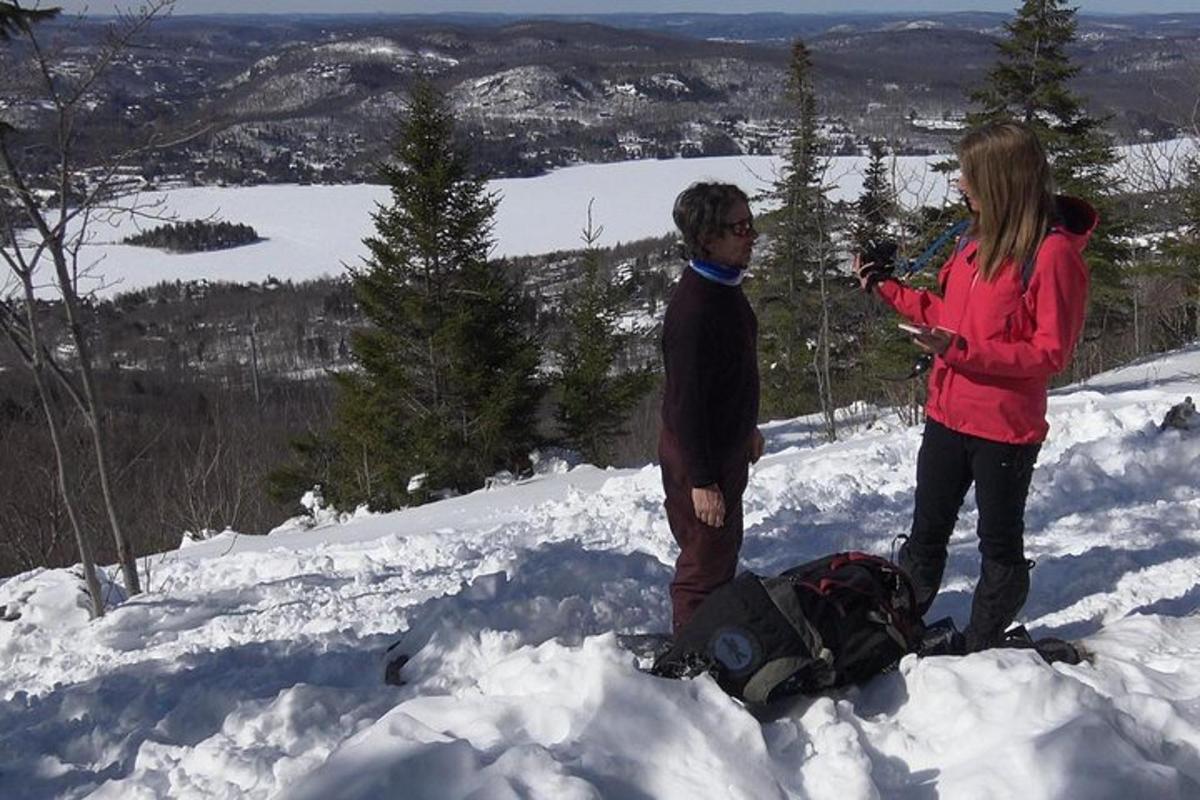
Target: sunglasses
column 742, row 228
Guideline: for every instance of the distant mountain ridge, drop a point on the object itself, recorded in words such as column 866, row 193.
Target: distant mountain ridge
column 294, row 98
column 764, row 26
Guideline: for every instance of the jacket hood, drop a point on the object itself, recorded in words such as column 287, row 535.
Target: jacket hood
column 1077, row 219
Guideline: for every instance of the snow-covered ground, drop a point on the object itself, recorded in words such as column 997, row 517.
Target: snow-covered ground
column 252, row 666
column 312, row 231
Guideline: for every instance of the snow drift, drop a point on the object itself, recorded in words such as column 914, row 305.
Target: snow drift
column 252, row 666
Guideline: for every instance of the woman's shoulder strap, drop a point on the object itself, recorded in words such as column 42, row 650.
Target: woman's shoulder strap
column 1056, row 226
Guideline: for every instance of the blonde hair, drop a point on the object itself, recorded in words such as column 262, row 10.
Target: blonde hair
column 1006, row 170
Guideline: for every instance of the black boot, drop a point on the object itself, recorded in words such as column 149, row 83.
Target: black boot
column 999, row 596
column 1051, row 650
column 942, row 638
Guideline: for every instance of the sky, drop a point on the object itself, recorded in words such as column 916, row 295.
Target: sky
column 600, row 6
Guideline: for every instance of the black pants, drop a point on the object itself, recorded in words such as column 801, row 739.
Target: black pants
column 947, row 464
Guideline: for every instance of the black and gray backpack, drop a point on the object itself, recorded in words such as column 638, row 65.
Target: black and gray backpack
column 837, row 620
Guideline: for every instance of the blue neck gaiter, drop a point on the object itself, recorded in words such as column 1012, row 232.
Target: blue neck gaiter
column 726, row 276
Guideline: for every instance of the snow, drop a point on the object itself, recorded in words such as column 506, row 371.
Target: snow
column 251, row 668
column 934, row 124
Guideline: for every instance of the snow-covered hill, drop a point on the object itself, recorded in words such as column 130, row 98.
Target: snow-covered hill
column 252, row 666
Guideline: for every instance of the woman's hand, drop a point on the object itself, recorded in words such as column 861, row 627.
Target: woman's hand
column 709, row 504
column 934, row 340
column 870, row 273
column 861, row 271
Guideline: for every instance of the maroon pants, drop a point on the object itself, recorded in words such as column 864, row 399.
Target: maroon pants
column 707, row 556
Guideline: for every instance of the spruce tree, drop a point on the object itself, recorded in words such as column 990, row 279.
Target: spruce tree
column 1029, row 83
column 1190, row 255
column 446, row 389
column 15, row 19
column 876, row 205
column 883, row 353
column 1183, row 249
column 494, row 373
column 790, row 290
column 593, row 397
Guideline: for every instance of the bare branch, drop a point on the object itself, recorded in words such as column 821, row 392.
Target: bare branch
column 63, row 242
column 21, row 189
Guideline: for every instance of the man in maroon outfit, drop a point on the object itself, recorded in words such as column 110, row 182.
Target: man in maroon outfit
column 710, row 400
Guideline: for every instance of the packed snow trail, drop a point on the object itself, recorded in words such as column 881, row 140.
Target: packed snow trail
column 252, row 666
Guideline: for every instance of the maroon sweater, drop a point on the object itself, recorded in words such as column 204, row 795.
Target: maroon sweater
column 710, row 400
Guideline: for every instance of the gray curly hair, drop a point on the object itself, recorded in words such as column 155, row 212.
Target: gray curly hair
column 700, row 212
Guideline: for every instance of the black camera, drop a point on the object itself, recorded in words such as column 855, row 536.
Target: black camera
column 878, row 261
column 882, row 253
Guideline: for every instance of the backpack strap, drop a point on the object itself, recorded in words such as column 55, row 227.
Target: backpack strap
column 1027, row 273
column 770, row 675
column 758, row 689
column 783, row 595
column 1028, row 268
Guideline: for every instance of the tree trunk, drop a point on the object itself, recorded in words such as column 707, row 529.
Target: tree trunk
column 68, row 94
column 254, row 366
column 1137, row 328
column 85, row 548
column 824, row 348
column 94, row 417
column 35, row 360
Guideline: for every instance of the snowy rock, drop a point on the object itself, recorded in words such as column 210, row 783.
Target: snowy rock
column 1181, row 416
column 317, row 515
column 55, row 601
column 554, row 460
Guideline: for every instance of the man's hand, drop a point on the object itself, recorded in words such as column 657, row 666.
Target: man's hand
column 757, row 444
column 709, row 504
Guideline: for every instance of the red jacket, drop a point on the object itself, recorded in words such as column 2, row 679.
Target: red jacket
column 991, row 382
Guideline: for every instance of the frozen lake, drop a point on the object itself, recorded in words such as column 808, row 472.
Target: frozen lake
column 314, row 231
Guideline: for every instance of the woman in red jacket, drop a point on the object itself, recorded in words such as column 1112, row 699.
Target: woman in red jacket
column 1008, row 316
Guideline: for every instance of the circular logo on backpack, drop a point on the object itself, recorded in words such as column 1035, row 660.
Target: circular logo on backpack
column 734, row 648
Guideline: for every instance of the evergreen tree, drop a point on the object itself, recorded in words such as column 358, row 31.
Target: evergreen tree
column 594, row 398
column 1029, row 83
column 1183, row 249
column 318, row 462
column 14, row 19
column 494, row 373
column 790, row 292
column 446, row 391
column 195, row 236
column 876, row 205
column 883, row 353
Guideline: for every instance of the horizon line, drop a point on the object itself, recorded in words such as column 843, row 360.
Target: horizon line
column 566, row 15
